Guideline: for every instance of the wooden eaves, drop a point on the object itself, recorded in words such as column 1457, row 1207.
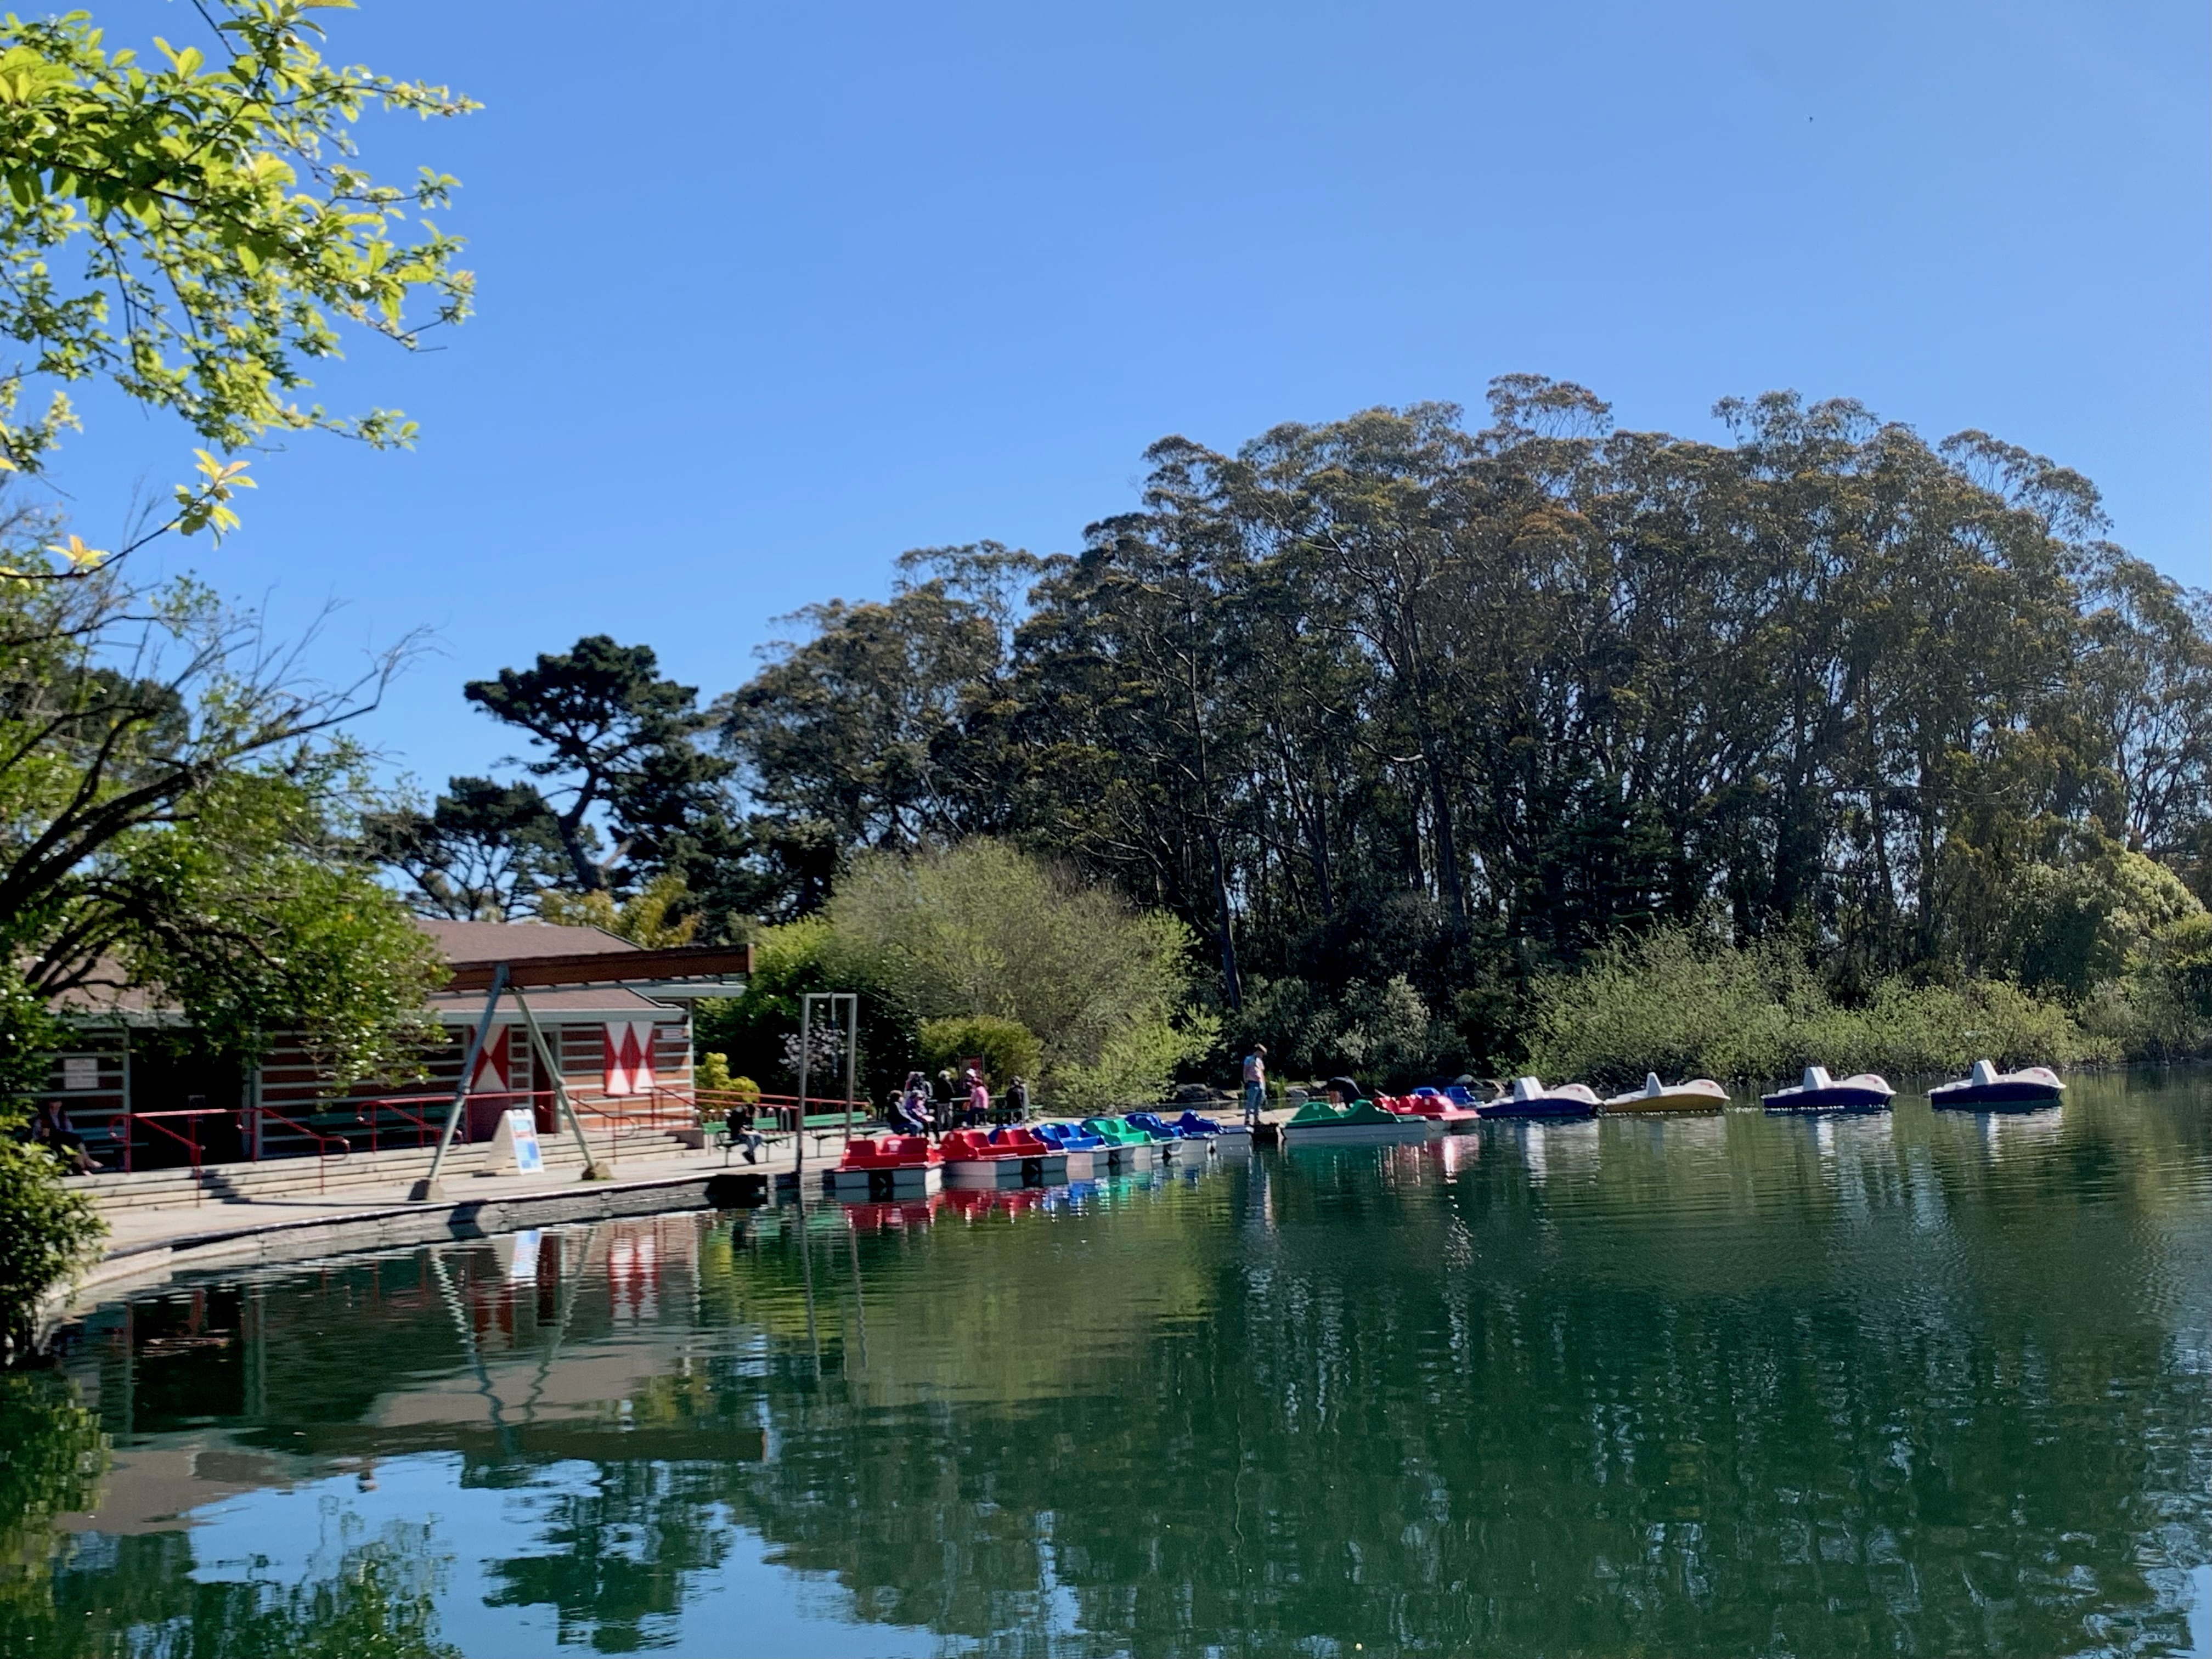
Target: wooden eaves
column 610, row 968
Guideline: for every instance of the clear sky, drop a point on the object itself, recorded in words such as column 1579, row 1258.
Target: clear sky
column 770, row 293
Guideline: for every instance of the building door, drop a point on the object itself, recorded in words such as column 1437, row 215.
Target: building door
column 170, row 1079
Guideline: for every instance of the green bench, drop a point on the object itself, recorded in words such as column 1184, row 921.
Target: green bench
column 821, row 1125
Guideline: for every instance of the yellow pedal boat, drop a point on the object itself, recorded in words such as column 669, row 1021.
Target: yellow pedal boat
column 1700, row 1094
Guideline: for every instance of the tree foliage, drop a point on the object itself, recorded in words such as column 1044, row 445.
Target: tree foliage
column 197, row 228
column 1008, row 1048
column 50, row 1233
column 176, row 813
column 485, row 851
column 981, row 928
column 1395, row 702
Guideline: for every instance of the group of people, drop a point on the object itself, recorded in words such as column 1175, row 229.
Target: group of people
column 924, row 1107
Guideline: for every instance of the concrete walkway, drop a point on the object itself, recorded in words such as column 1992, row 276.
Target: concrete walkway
column 148, row 1243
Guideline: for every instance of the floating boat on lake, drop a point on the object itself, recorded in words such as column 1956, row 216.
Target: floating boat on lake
column 1819, row 1093
column 1081, row 1147
column 1530, row 1099
column 885, row 1167
column 1700, row 1094
column 1438, row 1108
column 1169, row 1141
column 1987, row 1089
column 1226, row 1137
column 1363, row 1123
column 973, row 1158
column 1122, row 1145
column 1032, row 1142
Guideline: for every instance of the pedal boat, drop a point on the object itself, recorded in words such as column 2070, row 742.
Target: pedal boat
column 1439, row 1108
column 1819, row 1093
column 1363, row 1123
column 1530, row 1099
column 1086, row 1152
column 1169, row 1144
column 1987, row 1089
column 1121, row 1145
column 886, row 1167
column 1225, row 1137
column 974, row 1159
column 1700, row 1094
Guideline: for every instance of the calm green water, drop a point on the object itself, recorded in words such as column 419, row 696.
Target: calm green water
column 1915, row 1384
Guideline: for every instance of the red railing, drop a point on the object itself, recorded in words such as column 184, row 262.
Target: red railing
column 335, row 1127
column 784, row 1108
column 262, row 1115
column 348, row 1113
column 632, row 1116
column 190, row 1140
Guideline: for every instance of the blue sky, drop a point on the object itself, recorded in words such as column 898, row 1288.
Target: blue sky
column 770, row 294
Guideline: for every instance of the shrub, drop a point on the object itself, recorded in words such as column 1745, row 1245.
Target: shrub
column 46, row 1231
column 753, row 1031
column 713, row 1073
column 1135, row 1066
column 1683, row 1006
column 983, row 928
column 1384, row 1033
column 1008, row 1048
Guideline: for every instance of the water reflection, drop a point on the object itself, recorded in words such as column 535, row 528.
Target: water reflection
column 1719, row 1385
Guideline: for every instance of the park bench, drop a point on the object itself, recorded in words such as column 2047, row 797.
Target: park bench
column 774, row 1128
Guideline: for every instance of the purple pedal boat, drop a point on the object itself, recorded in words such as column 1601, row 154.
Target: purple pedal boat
column 1820, row 1092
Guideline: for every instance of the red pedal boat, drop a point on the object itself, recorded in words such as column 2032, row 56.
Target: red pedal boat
column 887, row 1167
column 1011, row 1157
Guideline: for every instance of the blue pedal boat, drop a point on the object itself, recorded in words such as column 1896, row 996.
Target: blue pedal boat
column 1234, row 1136
column 1988, row 1089
column 1530, row 1099
column 1085, row 1153
column 1169, row 1140
column 1819, row 1093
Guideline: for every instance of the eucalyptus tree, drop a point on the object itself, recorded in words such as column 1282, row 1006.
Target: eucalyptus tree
column 876, row 726
column 1387, row 695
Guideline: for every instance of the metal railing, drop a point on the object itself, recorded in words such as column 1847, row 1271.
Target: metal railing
column 190, row 1140
column 262, row 1115
column 782, row 1110
column 337, row 1126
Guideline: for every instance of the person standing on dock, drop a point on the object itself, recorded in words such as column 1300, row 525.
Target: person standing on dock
column 1017, row 1101
column 1255, row 1084
column 978, row 1099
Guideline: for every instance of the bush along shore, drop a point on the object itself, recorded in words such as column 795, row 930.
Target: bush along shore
column 1683, row 1004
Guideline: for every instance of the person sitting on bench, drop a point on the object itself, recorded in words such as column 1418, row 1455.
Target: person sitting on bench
column 909, row 1112
column 741, row 1131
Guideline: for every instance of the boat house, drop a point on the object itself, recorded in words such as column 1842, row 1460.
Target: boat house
column 617, row 1018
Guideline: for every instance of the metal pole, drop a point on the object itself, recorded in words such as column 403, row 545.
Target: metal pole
column 543, row 1051
column 852, row 1057
column 427, row 1190
column 798, row 1130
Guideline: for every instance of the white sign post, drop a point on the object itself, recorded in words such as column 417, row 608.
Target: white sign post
column 515, row 1148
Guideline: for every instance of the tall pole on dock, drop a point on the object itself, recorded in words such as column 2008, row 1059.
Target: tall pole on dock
column 798, row 1129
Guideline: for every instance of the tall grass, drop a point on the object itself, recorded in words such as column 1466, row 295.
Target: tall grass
column 1684, row 1006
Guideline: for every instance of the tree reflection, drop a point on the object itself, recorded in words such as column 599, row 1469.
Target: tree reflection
column 376, row 1601
column 1900, row 1388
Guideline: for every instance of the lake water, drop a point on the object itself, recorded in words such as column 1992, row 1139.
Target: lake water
column 1914, row 1383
